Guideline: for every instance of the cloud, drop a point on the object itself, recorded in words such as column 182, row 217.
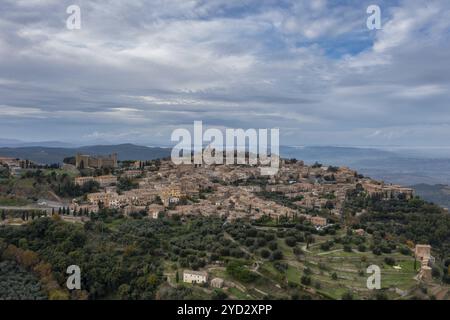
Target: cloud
column 138, row 69
column 11, row 111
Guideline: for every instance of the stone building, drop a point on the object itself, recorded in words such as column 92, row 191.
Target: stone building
column 318, row 221
column 154, row 210
column 103, row 181
column 425, row 273
column 217, row 283
column 96, row 162
column 171, row 195
column 423, row 252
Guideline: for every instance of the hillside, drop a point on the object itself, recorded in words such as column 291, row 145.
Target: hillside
column 400, row 167
column 438, row 194
column 48, row 155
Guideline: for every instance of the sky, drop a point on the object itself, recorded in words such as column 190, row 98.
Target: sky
column 137, row 70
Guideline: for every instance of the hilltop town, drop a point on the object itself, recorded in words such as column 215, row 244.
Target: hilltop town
column 225, row 231
column 315, row 192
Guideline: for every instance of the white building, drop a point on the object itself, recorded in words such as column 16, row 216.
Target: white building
column 191, row 276
column 217, row 283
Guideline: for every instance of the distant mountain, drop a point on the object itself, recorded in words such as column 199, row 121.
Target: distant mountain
column 342, row 156
column 401, row 166
column 438, row 194
column 14, row 143
column 127, row 151
column 50, row 144
column 10, row 143
column 48, row 155
column 397, row 166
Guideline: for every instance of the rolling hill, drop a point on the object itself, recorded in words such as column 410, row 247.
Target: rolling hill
column 48, row 155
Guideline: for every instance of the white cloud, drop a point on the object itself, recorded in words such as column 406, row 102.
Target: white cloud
column 10, row 111
column 311, row 68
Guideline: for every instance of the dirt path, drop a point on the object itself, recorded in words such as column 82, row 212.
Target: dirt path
column 329, row 252
column 54, row 195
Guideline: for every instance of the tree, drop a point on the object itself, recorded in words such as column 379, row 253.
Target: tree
column 277, row 255
column 3, row 215
column 29, row 259
column 218, row 295
column 43, row 269
column 239, row 272
column 305, row 280
column 291, row 241
column 58, row 294
column 389, row 261
column 376, row 251
column 347, row 296
column 265, row 253
column 436, row 272
column 124, row 291
column 273, row 245
column 177, row 277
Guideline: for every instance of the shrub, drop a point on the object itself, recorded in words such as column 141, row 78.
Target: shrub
column 280, row 266
column 218, row 295
column 347, row 296
column 277, row 255
column 389, row 261
column 305, row 280
column 273, row 245
column 291, row 241
column 405, row 251
column 239, row 272
column 307, row 271
column 436, row 272
column 265, row 253
column 376, row 251
column 447, row 263
column 326, row 246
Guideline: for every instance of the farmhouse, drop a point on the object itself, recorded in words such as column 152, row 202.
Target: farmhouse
column 191, row 276
column 217, row 283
